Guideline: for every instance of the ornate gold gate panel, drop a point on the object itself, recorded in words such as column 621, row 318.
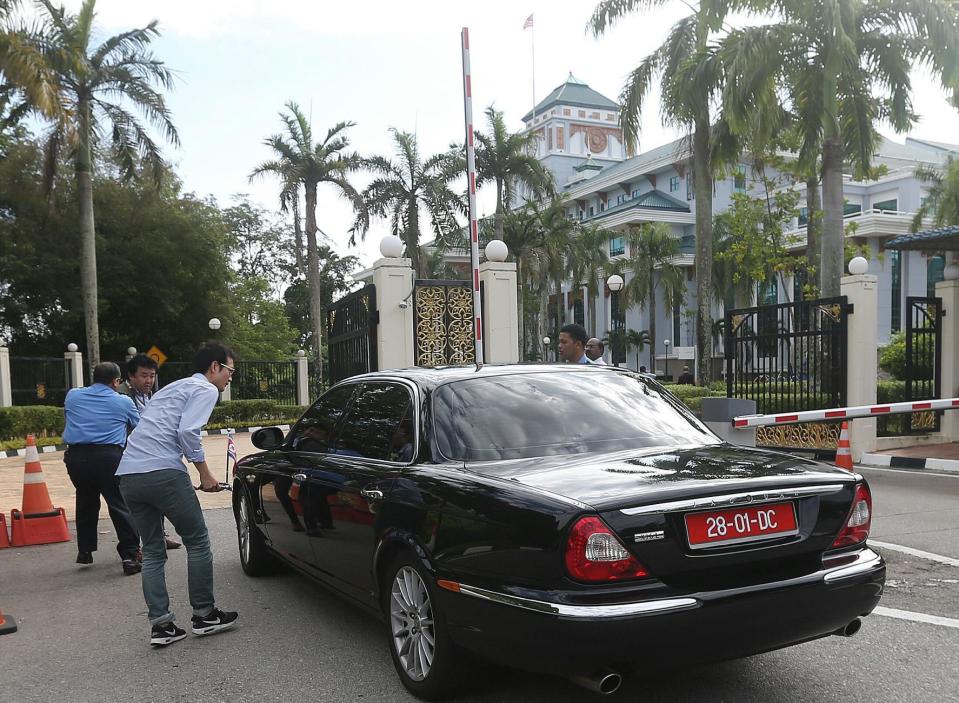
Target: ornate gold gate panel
column 443, row 323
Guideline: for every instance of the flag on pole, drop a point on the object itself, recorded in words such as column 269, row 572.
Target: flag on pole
column 528, row 23
column 230, row 454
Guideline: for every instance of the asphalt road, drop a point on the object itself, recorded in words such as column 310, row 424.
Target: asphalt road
column 83, row 632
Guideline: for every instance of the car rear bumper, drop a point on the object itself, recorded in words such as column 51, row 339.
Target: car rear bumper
column 566, row 638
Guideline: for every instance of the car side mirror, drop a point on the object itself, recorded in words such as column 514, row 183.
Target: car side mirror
column 268, row 438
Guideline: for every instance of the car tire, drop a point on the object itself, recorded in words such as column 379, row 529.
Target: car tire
column 426, row 659
column 255, row 556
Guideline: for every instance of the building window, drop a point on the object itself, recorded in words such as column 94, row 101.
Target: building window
column 582, row 113
column 579, row 315
column 739, row 182
column 560, row 139
column 590, row 210
column 803, row 216
column 934, row 269
column 636, row 193
column 617, row 246
column 690, row 188
column 602, row 207
column 849, row 209
column 620, row 199
column 895, row 319
column 890, row 205
column 673, row 184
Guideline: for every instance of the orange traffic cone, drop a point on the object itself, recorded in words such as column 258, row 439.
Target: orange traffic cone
column 843, row 454
column 4, row 537
column 40, row 522
column 7, row 624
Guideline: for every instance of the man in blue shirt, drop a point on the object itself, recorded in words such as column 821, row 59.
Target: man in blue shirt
column 155, row 483
column 572, row 344
column 97, row 421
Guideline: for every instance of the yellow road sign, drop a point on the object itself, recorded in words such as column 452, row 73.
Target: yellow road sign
column 157, row 355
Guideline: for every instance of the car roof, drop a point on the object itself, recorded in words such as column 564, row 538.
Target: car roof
column 430, row 377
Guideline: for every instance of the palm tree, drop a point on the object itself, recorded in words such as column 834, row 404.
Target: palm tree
column 589, row 263
column 558, row 232
column 523, row 235
column 652, row 250
column 26, row 79
column 942, row 199
column 638, row 340
column 690, row 79
column 842, row 65
column 302, row 163
column 96, row 85
column 405, row 189
column 509, row 162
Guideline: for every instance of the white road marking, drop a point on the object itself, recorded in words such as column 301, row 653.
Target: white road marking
column 916, row 553
column 916, row 617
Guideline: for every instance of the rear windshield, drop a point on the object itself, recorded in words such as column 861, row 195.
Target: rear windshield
column 546, row 414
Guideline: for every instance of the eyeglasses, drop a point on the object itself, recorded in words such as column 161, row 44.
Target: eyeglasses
column 228, row 368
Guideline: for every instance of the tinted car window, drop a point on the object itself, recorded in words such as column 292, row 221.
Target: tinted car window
column 545, row 414
column 313, row 432
column 374, row 422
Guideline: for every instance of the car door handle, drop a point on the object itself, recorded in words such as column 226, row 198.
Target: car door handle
column 372, row 494
column 299, row 477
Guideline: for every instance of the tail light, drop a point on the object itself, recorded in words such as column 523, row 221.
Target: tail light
column 594, row 554
column 856, row 528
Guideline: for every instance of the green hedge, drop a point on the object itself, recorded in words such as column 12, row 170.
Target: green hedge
column 19, row 421
column 47, row 420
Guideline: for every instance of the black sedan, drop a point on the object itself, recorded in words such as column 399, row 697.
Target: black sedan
column 577, row 520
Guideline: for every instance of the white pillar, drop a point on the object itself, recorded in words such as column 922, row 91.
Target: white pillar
column 6, row 394
column 862, row 292
column 948, row 291
column 302, row 378
column 499, row 312
column 74, row 362
column 393, row 279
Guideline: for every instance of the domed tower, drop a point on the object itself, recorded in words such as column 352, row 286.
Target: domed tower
column 577, row 127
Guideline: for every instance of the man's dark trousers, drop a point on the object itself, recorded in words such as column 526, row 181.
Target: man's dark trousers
column 92, row 468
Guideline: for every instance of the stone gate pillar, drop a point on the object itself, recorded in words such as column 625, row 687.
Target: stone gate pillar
column 948, row 292
column 6, row 394
column 501, row 333
column 74, row 361
column 393, row 278
column 862, row 291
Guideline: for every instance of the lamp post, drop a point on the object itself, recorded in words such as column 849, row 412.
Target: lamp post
column 666, row 355
column 546, row 341
column 214, row 323
column 615, row 283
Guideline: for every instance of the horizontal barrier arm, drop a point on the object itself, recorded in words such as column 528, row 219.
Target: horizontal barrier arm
column 745, row 421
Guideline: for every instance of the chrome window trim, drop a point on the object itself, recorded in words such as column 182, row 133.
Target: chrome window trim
column 586, row 612
column 734, row 499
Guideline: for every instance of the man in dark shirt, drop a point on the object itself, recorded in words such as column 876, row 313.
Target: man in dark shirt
column 97, row 422
column 686, row 378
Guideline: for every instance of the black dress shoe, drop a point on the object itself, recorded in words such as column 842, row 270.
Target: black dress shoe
column 84, row 557
column 171, row 543
column 131, row 567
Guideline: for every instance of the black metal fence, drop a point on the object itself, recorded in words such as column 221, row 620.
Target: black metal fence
column 790, row 356
column 923, row 360
column 38, row 380
column 351, row 335
column 173, row 371
column 264, row 380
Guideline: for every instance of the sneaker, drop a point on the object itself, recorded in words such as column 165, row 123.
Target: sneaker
column 165, row 634
column 84, row 557
column 214, row 622
column 131, row 567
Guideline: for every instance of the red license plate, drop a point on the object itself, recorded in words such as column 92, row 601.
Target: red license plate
column 740, row 525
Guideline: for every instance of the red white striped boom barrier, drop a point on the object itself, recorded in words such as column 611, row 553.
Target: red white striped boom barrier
column 471, row 178
column 745, row 421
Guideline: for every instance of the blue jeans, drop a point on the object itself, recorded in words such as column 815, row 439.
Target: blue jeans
column 169, row 493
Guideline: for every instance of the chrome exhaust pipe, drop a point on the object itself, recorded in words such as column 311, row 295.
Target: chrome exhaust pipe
column 849, row 629
column 604, row 681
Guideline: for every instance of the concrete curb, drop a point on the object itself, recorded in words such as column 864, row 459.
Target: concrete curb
column 883, row 461
column 62, row 447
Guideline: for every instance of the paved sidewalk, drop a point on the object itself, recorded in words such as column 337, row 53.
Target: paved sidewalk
column 64, row 496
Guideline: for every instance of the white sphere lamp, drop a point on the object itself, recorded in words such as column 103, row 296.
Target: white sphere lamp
column 615, row 283
column 71, row 347
column 301, row 353
column 391, row 246
column 131, row 351
column 497, row 250
column 951, row 272
column 858, row 266
column 214, row 323
column 546, row 340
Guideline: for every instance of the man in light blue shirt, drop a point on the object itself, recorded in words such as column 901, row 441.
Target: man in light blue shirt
column 97, row 421
column 572, row 344
column 155, row 483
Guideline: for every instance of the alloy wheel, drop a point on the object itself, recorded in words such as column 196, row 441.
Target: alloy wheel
column 411, row 623
column 243, row 530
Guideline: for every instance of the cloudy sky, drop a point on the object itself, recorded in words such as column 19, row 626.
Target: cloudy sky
column 383, row 64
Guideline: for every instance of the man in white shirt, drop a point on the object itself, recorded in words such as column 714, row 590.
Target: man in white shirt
column 595, row 350
column 155, row 484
